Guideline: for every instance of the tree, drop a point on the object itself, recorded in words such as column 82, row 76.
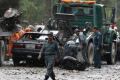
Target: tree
column 48, row 7
column 37, row 10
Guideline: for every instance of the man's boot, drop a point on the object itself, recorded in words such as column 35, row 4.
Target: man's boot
column 53, row 77
column 46, row 77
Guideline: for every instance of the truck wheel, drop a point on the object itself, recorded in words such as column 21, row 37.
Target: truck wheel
column 2, row 52
column 15, row 60
column 111, row 58
column 90, row 53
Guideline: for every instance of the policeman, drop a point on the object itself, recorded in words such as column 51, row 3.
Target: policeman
column 82, row 38
column 74, row 37
column 76, row 34
column 97, row 47
column 50, row 50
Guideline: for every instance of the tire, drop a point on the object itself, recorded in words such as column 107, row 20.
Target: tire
column 71, row 63
column 39, row 63
column 90, row 53
column 111, row 58
column 2, row 52
column 15, row 60
column 118, row 52
column 118, row 55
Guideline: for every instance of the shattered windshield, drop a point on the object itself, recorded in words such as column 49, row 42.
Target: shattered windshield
column 30, row 36
column 35, row 36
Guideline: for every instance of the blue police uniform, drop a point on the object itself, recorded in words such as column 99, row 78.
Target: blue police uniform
column 50, row 50
column 97, row 54
column 82, row 42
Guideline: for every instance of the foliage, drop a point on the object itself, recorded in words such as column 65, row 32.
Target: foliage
column 35, row 10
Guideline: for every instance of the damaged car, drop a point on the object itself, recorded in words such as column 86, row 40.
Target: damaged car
column 28, row 47
column 73, row 58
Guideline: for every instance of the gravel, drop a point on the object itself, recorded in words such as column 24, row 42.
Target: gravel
column 107, row 72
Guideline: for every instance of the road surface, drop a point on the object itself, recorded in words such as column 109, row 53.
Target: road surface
column 107, row 72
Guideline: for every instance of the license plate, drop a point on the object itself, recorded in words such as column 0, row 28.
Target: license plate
column 30, row 46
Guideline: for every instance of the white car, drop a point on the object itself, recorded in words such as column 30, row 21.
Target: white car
column 29, row 46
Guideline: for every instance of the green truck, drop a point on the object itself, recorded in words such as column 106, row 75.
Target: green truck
column 67, row 16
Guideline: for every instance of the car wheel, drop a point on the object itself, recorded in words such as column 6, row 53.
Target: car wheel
column 90, row 53
column 111, row 58
column 15, row 60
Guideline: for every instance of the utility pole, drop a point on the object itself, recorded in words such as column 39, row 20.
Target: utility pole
column 51, row 7
column 116, row 10
column 47, row 9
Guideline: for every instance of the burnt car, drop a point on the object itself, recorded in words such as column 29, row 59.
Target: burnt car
column 73, row 58
column 28, row 47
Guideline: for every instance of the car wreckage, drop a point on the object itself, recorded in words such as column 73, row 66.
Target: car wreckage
column 27, row 49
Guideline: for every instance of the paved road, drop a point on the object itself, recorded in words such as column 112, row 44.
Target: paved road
column 107, row 72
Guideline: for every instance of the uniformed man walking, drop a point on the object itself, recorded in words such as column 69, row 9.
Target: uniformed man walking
column 97, row 47
column 50, row 50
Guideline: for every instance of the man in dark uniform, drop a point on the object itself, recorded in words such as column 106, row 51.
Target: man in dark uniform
column 97, row 47
column 82, row 39
column 50, row 50
column 76, row 34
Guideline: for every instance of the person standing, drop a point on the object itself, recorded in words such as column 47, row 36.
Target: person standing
column 50, row 50
column 82, row 39
column 11, row 39
column 97, row 47
column 76, row 34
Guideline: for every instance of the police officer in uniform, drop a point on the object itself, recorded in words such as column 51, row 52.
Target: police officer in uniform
column 50, row 50
column 97, row 47
column 82, row 39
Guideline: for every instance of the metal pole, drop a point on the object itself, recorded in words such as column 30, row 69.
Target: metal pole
column 51, row 7
column 116, row 9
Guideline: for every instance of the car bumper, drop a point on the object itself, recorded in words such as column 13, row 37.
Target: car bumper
column 25, row 54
